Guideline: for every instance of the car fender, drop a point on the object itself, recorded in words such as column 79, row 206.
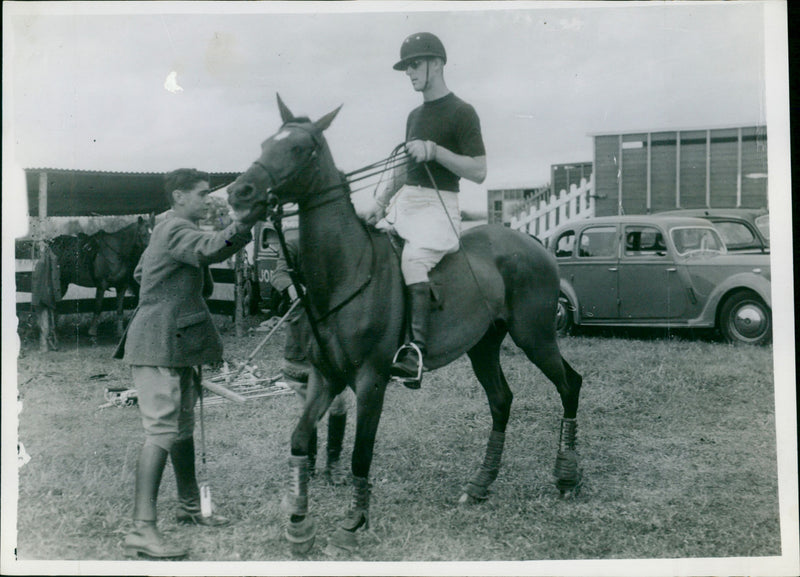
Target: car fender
column 570, row 293
column 745, row 280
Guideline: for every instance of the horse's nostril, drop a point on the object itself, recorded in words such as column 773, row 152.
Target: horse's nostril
column 240, row 192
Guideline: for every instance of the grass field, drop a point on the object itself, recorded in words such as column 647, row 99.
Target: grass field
column 676, row 438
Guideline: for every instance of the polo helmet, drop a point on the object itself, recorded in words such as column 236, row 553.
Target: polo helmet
column 420, row 45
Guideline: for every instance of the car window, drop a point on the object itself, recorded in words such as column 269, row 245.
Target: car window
column 762, row 222
column 689, row 240
column 598, row 241
column 269, row 241
column 644, row 241
column 565, row 244
column 735, row 233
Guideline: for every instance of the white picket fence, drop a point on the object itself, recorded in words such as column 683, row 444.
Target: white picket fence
column 542, row 219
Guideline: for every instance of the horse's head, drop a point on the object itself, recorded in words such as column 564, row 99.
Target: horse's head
column 289, row 165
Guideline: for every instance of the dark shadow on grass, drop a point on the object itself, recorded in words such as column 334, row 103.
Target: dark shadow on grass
column 650, row 333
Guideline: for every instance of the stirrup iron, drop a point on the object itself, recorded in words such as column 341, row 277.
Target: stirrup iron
column 410, row 346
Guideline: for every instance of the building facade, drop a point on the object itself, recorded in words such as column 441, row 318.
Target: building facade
column 504, row 203
column 564, row 176
column 646, row 172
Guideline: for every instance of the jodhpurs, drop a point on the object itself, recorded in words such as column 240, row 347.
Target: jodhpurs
column 166, row 397
column 430, row 223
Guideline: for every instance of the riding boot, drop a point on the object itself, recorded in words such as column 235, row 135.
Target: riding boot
column 408, row 365
column 146, row 538
column 189, row 511
column 335, row 472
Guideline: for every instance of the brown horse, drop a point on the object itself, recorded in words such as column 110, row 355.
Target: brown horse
column 102, row 261
column 500, row 282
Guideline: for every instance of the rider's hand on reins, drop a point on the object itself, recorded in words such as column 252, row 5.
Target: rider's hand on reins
column 375, row 213
column 422, row 150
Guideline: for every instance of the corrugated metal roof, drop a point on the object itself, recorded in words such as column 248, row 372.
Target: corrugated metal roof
column 630, row 131
column 73, row 192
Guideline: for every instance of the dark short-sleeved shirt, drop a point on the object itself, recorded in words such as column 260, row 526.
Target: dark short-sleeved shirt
column 449, row 122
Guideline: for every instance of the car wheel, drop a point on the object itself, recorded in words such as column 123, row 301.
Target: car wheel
column 564, row 324
column 744, row 318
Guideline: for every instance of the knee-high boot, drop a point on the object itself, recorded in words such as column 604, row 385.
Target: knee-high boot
column 409, row 364
column 146, row 538
column 189, row 513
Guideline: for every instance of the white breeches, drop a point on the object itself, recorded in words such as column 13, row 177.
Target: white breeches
column 430, row 229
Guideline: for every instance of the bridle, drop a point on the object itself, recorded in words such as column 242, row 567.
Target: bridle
column 276, row 214
column 275, row 184
column 394, row 160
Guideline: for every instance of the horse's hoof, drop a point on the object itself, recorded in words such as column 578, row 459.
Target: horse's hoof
column 473, row 494
column 302, row 549
column 568, row 494
column 571, row 489
column 301, row 536
column 467, row 499
column 343, row 540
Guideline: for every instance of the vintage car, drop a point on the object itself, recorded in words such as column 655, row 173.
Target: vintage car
column 660, row 271
column 265, row 258
column 742, row 229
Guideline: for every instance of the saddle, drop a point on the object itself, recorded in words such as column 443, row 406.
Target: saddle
column 397, row 243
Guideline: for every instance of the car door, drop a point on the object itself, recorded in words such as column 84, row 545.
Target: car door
column 593, row 273
column 649, row 284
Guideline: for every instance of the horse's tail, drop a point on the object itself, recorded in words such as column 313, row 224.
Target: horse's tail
column 46, row 281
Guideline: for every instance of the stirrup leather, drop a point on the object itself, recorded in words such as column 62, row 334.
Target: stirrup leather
column 411, row 345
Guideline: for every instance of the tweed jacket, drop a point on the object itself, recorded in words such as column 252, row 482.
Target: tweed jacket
column 172, row 326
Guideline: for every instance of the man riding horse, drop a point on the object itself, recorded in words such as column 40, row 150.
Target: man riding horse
column 443, row 136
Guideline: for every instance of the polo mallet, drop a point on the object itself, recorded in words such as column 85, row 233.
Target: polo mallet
column 206, row 507
column 295, row 304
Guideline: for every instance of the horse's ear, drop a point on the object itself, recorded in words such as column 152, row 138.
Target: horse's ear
column 323, row 123
column 140, row 221
column 286, row 114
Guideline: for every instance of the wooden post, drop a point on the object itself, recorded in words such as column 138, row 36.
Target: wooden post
column 238, row 292
column 45, row 317
column 42, row 194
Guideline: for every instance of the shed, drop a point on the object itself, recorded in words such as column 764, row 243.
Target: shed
column 652, row 171
column 62, row 192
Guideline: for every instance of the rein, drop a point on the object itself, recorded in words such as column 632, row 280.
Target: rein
column 460, row 245
column 276, row 215
column 378, row 168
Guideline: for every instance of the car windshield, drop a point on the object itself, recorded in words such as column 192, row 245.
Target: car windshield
column 762, row 222
column 735, row 234
column 696, row 241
